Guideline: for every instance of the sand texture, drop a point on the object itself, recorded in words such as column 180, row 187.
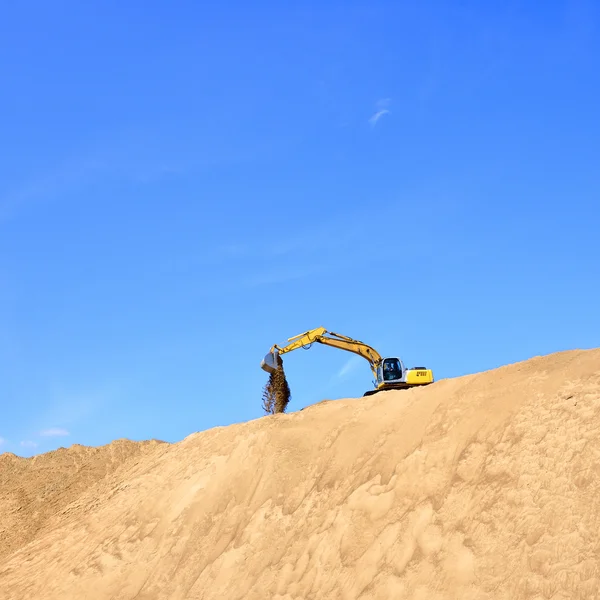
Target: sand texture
column 481, row 487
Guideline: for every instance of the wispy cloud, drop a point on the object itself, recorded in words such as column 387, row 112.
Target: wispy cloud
column 54, row 432
column 2, row 441
column 47, row 186
column 350, row 365
column 283, row 275
column 128, row 154
column 28, row 444
column 232, row 250
column 336, row 234
column 373, row 120
column 381, row 109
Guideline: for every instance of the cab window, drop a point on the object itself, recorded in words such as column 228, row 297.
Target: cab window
column 391, row 369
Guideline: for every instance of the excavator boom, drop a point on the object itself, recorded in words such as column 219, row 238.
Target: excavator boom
column 328, row 338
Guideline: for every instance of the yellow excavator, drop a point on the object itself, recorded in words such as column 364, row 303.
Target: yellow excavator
column 390, row 373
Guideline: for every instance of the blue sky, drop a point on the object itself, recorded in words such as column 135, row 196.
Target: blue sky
column 185, row 184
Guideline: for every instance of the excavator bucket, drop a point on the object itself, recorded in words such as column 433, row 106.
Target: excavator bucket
column 269, row 362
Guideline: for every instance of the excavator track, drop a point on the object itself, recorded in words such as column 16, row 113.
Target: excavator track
column 395, row 386
column 386, row 389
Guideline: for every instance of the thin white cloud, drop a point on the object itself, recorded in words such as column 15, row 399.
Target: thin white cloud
column 129, row 153
column 373, row 120
column 284, row 275
column 350, row 365
column 381, row 110
column 54, row 432
column 47, row 186
column 28, row 444
column 2, row 441
column 233, row 250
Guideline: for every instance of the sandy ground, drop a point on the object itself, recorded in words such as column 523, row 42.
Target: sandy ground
column 480, row 487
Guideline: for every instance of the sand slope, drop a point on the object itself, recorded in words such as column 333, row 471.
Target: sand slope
column 480, row 487
column 33, row 491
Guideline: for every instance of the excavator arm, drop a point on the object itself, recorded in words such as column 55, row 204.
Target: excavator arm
column 328, row 338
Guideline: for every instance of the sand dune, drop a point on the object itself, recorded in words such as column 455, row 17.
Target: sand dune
column 481, row 487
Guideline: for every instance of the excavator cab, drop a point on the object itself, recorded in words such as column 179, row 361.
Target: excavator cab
column 390, row 370
column 392, row 374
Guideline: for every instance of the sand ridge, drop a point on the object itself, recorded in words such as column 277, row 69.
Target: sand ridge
column 481, row 487
column 34, row 491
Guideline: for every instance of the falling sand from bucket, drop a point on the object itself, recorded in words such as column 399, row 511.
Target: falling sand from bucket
column 276, row 393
